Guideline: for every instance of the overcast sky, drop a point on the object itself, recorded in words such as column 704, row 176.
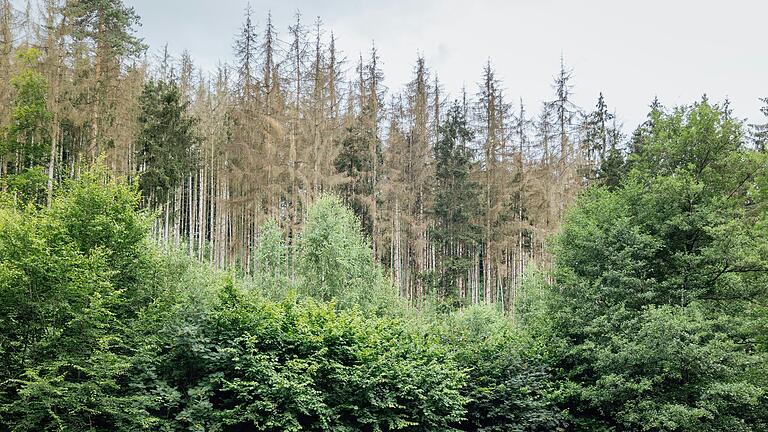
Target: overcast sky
column 631, row 51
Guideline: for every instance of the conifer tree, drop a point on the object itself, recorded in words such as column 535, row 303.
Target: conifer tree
column 455, row 207
column 360, row 155
column 760, row 131
column 108, row 27
column 492, row 116
column 168, row 142
column 564, row 110
column 597, row 125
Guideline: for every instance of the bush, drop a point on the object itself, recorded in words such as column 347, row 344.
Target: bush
column 509, row 386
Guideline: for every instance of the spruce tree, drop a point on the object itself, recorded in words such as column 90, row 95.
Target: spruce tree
column 456, row 204
column 168, row 143
column 597, row 131
column 760, row 131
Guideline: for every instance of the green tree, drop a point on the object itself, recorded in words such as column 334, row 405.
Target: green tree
column 26, row 140
column 597, row 130
column 335, row 261
column 271, row 256
column 455, row 206
column 68, row 288
column 760, row 131
column 508, row 387
column 613, row 168
column 355, row 162
column 167, row 144
column 100, row 213
column 662, row 284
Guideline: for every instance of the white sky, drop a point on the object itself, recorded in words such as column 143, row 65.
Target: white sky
column 631, row 51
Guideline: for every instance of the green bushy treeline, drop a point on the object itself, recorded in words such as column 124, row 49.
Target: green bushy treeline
column 656, row 321
column 102, row 330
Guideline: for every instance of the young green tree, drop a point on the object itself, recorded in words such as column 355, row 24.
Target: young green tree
column 335, row 261
column 69, row 284
column 271, row 258
column 26, row 143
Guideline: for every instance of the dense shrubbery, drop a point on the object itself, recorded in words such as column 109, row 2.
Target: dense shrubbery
column 656, row 321
column 101, row 330
column 236, row 362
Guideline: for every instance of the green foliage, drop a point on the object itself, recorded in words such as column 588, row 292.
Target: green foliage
column 61, row 345
column 29, row 186
column 245, row 364
column 109, row 23
column 271, row 261
column 759, row 131
column 455, row 206
column 167, row 143
column 662, row 280
column 612, row 169
column 26, row 139
column 335, row 262
column 271, row 254
column 100, row 333
column 597, row 131
column 657, row 319
column 508, row 386
column 356, row 161
column 99, row 213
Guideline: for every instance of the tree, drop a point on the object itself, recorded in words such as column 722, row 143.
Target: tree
column 597, row 132
column 492, row 115
column 69, row 283
column 407, row 179
column 109, row 26
column 360, row 154
column 271, row 257
column 508, row 385
column 661, row 284
column 28, row 134
column 168, row 142
column 564, row 109
column 27, row 139
column 642, row 132
column 335, row 262
column 455, row 206
column 246, row 51
column 612, row 170
column 760, row 131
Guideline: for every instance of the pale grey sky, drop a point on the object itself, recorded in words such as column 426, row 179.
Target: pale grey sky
column 629, row 50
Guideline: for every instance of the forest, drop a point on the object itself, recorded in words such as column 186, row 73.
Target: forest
column 287, row 244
